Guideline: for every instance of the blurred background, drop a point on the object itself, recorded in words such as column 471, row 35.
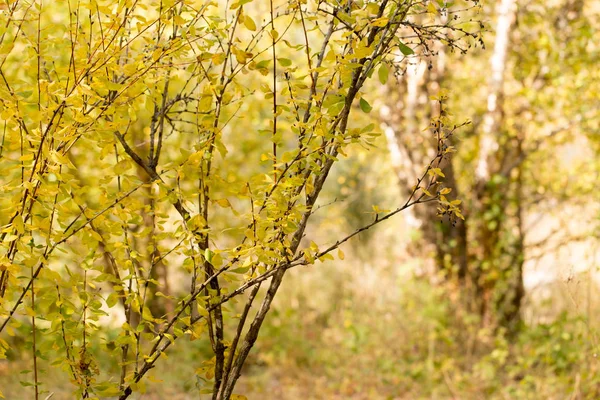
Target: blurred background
column 388, row 321
column 500, row 305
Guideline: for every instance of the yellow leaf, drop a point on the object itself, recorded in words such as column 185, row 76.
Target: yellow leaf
column 265, row 88
column 372, row 8
column 223, row 203
column 156, row 54
column 10, row 331
column 6, row 48
column 26, row 157
column 249, row 23
column 218, row 58
column 18, row 224
column 363, row 51
column 147, row 315
column 241, row 56
column 178, row 20
column 10, row 238
column 130, row 69
column 122, row 166
column 439, row 172
column 341, row 255
column 380, row 22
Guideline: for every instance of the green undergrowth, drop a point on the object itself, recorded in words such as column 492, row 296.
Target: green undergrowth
column 329, row 338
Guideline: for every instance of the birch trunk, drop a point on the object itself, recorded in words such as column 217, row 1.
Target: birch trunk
column 490, row 187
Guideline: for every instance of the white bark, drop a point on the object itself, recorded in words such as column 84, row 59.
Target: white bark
column 489, row 136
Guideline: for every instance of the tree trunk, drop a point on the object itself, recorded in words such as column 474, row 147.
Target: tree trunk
column 490, row 186
column 406, row 114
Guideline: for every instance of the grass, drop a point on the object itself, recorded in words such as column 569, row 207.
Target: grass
column 329, row 337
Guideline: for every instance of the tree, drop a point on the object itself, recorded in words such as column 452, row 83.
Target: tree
column 409, row 107
column 179, row 138
column 491, row 189
column 507, row 166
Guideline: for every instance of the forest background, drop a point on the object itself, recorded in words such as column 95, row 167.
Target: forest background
column 459, row 199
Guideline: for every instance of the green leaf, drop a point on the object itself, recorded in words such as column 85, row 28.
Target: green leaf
column 383, row 73
column 284, row 62
column 407, row 51
column 239, row 3
column 208, row 255
column 112, row 300
column 365, row 106
column 334, row 104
